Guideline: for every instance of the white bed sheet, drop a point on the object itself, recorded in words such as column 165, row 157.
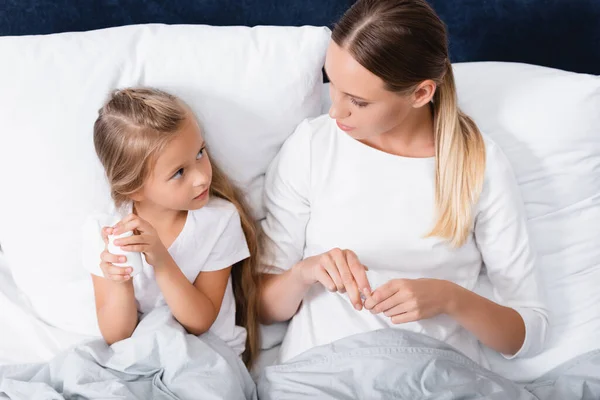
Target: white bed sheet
column 26, row 339
column 23, row 337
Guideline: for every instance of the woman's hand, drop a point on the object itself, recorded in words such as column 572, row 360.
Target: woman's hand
column 145, row 241
column 337, row 270
column 409, row 300
column 107, row 261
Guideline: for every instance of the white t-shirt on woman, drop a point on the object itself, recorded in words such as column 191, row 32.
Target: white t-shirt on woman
column 326, row 190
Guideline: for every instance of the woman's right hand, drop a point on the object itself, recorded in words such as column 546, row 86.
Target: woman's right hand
column 111, row 271
column 339, row 271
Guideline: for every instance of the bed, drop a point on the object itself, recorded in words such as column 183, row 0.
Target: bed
column 558, row 34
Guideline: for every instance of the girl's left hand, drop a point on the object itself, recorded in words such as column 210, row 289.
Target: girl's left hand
column 145, row 241
column 409, row 300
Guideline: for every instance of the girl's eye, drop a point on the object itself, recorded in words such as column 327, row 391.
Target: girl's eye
column 358, row 103
column 201, row 153
column 178, row 174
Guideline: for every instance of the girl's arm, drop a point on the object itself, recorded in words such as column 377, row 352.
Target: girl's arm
column 196, row 306
column 116, row 308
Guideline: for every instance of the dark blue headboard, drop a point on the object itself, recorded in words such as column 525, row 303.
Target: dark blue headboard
column 557, row 33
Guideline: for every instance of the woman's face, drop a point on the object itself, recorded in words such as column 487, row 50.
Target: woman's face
column 361, row 104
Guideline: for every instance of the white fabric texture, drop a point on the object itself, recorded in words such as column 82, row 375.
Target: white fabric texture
column 24, row 338
column 547, row 123
column 233, row 78
column 326, row 190
column 211, row 239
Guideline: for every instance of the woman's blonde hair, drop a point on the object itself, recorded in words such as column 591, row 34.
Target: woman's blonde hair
column 404, row 43
column 131, row 130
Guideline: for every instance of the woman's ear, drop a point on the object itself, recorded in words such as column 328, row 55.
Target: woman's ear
column 424, row 93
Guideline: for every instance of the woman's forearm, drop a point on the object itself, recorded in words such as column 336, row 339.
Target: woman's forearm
column 281, row 295
column 498, row 327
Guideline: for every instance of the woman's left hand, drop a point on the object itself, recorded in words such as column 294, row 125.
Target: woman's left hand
column 408, row 300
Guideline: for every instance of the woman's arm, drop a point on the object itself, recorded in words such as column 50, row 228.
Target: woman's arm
column 408, row 300
column 498, row 327
column 287, row 187
column 337, row 270
column 515, row 324
column 503, row 240
column 287, row 276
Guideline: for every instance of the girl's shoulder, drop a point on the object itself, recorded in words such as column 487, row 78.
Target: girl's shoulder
column 216, row 209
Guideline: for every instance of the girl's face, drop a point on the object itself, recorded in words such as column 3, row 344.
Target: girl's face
column 361, row 104
column 182, row 174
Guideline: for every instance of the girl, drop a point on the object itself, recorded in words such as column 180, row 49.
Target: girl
column 396, row 178
column 197, row 237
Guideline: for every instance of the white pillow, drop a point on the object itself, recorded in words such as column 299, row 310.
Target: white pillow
column 548, row 123
column 250, row 87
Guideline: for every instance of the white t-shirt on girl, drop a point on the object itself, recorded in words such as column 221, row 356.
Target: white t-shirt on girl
column 211, row 239
column 326, row 190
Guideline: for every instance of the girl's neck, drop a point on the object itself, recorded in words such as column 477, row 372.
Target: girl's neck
column 164, row 220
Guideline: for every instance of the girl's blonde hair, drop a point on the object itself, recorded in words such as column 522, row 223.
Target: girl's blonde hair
column 404, row 43
column 131, row 130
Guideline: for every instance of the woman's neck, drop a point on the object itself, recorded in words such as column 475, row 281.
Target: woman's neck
column 413, row 138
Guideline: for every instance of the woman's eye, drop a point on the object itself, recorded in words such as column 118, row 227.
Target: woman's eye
column 201, row 153
column 358, row 103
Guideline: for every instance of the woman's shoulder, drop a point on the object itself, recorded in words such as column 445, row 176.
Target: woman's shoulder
column 499, row 177
column 496, row 161
column 311, row 131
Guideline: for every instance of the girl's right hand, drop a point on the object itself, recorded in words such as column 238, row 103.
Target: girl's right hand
column 339, row 271
column 113, row 272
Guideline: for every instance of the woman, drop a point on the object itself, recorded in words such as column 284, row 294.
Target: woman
column 401, row 180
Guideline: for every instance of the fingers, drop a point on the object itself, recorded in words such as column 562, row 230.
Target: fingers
column 401, row 308
column 359, row 271
column 130, row 223
column 131, row 240
column 381, row 294
column 107, row 257
column 411, row 316
column 107, row 230
column 348, row 281
column 114, row 273
column 329, row 265
column 138, row 248
column 323, row 276
column 110, row 269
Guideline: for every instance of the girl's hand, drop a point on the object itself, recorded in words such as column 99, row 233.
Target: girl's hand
column 145, row 241
column 111, row 271
column 339, row 271
column 409, row 300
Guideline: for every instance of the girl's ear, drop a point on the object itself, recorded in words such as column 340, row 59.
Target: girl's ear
column 137, row 196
